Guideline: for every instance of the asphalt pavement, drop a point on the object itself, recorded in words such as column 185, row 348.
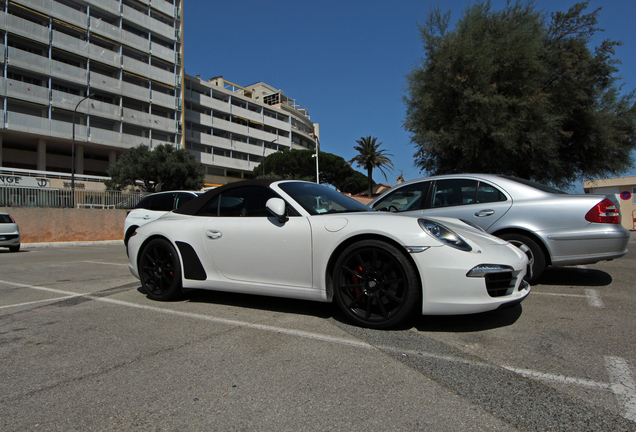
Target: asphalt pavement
column 82, row 348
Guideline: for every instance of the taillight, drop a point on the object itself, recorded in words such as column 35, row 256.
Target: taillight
column 604, row 212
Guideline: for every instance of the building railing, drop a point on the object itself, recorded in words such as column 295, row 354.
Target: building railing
column 11, row 196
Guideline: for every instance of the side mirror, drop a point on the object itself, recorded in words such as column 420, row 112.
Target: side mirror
column 276, row 207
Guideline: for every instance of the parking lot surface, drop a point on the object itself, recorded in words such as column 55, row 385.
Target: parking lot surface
column 82, row 348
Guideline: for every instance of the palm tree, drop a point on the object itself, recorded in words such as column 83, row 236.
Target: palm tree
column 371, row 157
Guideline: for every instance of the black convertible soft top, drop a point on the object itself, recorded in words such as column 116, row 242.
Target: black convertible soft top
column 193, row 206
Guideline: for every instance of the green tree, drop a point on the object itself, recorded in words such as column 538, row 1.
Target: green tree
column 301, row 165
column 519, row 92
column 370, row 156
column 164, row 167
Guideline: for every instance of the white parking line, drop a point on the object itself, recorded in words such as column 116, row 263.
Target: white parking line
column 105, row 263
column 621, row 378
column 622, row 385
column 592, row 296
column 39, row 301
column 594, row 299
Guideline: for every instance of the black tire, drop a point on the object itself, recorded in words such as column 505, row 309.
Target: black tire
column 14, row 248
column 375, row 285
column 532, row 250
column 160, row 270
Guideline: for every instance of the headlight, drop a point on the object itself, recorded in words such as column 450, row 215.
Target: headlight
column 445, row 235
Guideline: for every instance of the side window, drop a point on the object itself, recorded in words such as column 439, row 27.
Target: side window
column 183, row 198
column 162, row 202
column 410, row 197
column 487, row 193
column 454, row 192
column 247, row 201
column 158, row 202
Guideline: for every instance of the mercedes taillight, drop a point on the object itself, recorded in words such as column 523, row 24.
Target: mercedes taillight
column 604, row 212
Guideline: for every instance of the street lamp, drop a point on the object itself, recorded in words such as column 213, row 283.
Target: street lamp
column 316, row 156
column 90, row 95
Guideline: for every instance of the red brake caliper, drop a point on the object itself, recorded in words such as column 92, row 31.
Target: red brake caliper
column 357, row 290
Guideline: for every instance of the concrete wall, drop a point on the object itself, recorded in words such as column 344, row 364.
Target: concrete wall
column 44, row 225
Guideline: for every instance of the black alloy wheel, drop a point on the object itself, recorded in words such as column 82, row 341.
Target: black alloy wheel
column 532, row 250
column 160, row 270
column 375, row 285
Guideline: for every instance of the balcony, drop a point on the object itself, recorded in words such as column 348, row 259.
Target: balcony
column 103, row 28
column 135, row 41
column 69, row 15
column 135, row 66
column 28, row 61
column 135, row 117
column 135, row 16
column 202, row 138
column 164, row 7
column 69, row 73
column 103, row 109
column 129, row 141
column 25, row 91
column 163, row 100
column 70, row 44
column 230, row 127
column 162, row 29
column 239, row 164
column 262, row 135
column 26, row 28
column 162, row 75
column 246, row 114
column 27, row 123
column 198, row 118
column 135, row 92
column 163, row 53
column 106, row 137
column 104, row 55
column 111, row 6
column 106, row 83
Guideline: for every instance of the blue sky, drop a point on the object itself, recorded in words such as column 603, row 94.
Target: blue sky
column 346, row 61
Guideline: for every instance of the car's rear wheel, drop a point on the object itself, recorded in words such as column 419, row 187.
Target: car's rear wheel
column 375, row 285
column 532, row 250
column 160, row 270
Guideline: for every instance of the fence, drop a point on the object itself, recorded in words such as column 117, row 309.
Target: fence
column 11, row 196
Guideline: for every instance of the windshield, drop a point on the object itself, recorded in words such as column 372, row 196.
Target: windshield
column 318, row 199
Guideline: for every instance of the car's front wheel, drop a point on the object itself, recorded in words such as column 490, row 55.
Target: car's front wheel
column 532, row 250
column 160, row 270
column 375, row 285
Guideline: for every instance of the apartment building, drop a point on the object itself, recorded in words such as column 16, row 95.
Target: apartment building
column 104, row 74
column 93, row 78
column 230, row 128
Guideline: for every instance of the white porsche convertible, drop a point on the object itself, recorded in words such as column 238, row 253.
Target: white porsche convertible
column 303, row 240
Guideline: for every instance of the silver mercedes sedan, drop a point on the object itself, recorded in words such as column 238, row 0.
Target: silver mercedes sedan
column 552, row 227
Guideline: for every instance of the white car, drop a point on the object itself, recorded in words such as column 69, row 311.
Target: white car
column 9, row 233
column 303, row 240
column 154, row 206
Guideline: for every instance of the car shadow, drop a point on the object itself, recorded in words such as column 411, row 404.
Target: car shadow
column 3, row 250
column 252, row 301
column 434, row 323
column 503, row 317
column 574, row 276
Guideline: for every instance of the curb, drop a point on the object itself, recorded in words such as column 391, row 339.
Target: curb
column 75, row 243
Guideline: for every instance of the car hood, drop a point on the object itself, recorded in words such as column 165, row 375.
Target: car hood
column 396, row 223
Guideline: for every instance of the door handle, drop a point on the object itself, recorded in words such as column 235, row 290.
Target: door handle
column 213, row 234
column 146, row 217
column 482, row 213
